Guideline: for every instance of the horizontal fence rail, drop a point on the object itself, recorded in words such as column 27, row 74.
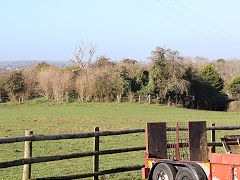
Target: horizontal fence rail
column 95, row 134
column 208, row 128
column 95, row 153
column 68, row 136
column 223, row 128
column 67, row 156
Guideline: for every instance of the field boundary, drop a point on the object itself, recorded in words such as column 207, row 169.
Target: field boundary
column 29, row 138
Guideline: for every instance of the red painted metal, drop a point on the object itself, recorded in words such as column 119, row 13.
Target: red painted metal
column 145, row 171
column 225, row 158
column 225, row 171
column 177, row 144
column 220, row 167
column 225, row 166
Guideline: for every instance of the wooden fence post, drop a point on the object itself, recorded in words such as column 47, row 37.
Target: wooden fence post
column 139, row 99
column 96, row 157
column 213, row 137
column 149, row 98
column 27, row 154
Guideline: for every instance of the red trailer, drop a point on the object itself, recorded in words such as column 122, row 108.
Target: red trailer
column 181, row 153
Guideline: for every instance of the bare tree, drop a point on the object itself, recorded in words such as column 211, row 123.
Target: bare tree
column 83, row 54
column 227, row 68
column 84, row 84
column 55, row 85
column 45, row 86
column 30, row 81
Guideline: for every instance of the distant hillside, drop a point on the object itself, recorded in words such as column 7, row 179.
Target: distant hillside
column 7, row 65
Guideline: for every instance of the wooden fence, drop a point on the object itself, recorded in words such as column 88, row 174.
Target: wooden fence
column 29, row 137
column 140, row 98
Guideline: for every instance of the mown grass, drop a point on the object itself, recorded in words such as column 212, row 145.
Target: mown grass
column 49, row 118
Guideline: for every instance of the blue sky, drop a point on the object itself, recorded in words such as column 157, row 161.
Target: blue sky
column 51, row 29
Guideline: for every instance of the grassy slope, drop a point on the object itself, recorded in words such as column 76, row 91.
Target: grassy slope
column 50, row 118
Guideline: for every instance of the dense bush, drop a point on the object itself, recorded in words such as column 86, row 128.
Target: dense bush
column 103, row 84
column 14, row 84
column 234, row 87
column 3, row 92
column 205, row 96
column 30, row 84
column 54, row 84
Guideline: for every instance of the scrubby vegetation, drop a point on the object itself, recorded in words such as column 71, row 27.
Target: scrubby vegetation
column 176, row 80
column 234, row 87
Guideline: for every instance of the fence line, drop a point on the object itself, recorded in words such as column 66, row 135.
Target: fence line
column 131, row 98
column 68, row 136
column 96, row 134
column 34, row 160
column 140, row 98
column 28, row 160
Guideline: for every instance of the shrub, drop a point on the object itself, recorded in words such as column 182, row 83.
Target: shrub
column 3, row 93
column 84, row 84
column 55, row 85
column 234, row 87
column 73, row 69
column 30, row 84
column 103, row 84
column 205, row 96
column 45, row 86
column 14, row 84
column 234, row 106
column 42, row 66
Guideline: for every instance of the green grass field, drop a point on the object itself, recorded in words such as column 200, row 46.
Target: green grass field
column 50, row 118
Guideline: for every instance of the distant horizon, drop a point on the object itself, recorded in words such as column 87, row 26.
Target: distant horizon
column 33, row 60
column 69, row 61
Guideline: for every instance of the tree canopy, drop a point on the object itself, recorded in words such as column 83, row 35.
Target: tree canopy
column 209, row 74
column 167, row 75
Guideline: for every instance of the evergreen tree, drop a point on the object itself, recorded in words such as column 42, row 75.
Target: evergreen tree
column 209, row 74
column 234, row 87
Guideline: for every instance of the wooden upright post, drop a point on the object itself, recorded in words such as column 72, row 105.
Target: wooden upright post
column 96, row 157
column 198, row 141
column 27, row 154
column 213, row 138
column 156, row 140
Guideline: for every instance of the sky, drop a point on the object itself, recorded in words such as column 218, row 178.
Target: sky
column 51, row 29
